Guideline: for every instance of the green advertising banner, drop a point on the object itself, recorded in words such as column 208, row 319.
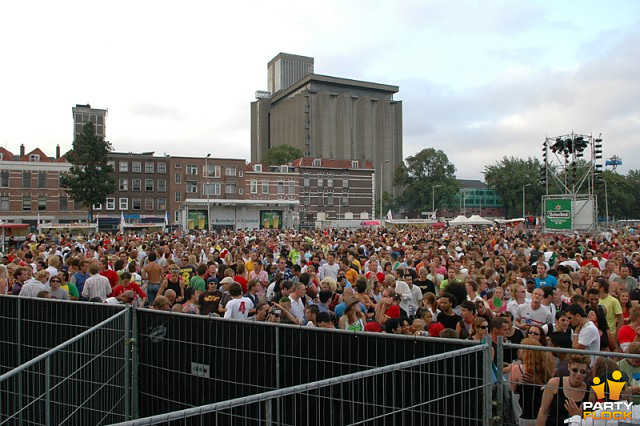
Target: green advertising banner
column 557, row 214
column 270, row 219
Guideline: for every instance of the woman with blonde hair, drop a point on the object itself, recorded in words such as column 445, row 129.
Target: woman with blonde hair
column 565, row 288
column 528, row 375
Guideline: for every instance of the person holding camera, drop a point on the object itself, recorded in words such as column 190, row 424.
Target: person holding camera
column 262, row 312
column 281, row 312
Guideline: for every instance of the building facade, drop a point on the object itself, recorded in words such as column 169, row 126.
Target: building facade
column 83, row 114
column 335, row 190
column 332, row 118
column 285, row 70
column 203, row 178
column 30, row 189
column 474, row 197
column 142, row 191
column 190, row 192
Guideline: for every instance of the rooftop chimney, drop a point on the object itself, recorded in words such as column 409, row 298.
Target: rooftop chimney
column 22, row 150
column 57, row 152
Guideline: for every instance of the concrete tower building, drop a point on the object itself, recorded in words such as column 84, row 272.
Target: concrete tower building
column 285, row 70
column 83, row 114
column 328, row 117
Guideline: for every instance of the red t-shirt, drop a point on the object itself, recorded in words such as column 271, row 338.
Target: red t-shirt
column 393, row 312
column 112, row 276
column 626, row 334
column 119, row 289
column 243, row 282
column 379, row 276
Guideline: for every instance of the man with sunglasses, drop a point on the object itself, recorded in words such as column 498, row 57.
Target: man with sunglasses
column 56, row 291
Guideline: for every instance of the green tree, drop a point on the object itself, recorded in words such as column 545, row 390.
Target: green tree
column 90, row 178
column 621, row 196
column 419, row 174
column 283, row 154
column 508, row 176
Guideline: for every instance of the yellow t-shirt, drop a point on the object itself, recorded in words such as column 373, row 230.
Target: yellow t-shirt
column 352, row 276
column 613, row 308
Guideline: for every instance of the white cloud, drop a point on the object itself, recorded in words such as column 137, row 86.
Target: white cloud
column 477, row 79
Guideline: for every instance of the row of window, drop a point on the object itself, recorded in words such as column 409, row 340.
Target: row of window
column 136, row 185
column 318, row 163
column 253, row 187
column 329, row 180
column 162, row 183
column 212, row 172
column 212, row 188
column 328, row 200
column 136, row 167
column 64, row 203
column 27, row 179
column 41, row 203
column 136, row 204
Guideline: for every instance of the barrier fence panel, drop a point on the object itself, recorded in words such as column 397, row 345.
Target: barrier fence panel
column 527, row 378
column 187, row 361
column 443, row 389
column 32, row 326
column 82, row 381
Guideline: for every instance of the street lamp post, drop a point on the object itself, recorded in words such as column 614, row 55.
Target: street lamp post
column 382, row 163
column 606, row 202
column 523, row 210
column 464, row 201
column 433, row 197
column 206, row 168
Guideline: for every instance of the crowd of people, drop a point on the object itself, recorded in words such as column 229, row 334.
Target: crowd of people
column 575, row 291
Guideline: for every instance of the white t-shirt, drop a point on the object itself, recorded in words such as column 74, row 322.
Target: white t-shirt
column 238, row 308
column 327, row 270
column 529, row 316
column 297, row 309
column 402, row 288
column 590, row 337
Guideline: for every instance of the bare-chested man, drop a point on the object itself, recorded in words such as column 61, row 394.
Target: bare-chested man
column 153, row 274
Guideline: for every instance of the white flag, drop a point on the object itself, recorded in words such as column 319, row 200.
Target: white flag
column 433, row 215
column 389, row 216
column 38, row 222
column 121, row 221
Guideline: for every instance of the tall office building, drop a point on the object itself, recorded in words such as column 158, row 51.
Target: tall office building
column 332, row 118
column 83, row 114
column 285, row 70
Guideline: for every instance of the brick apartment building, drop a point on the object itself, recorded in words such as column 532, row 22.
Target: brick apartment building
column 30, row 188
column 334, row 189
column 190, row 192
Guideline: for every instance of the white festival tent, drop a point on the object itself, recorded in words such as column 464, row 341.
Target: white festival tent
column 478, row 220
column 460, row 220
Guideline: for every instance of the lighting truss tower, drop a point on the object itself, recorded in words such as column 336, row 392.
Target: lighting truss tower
column 571, row 168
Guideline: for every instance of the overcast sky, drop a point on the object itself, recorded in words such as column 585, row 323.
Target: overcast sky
column 478, row 79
